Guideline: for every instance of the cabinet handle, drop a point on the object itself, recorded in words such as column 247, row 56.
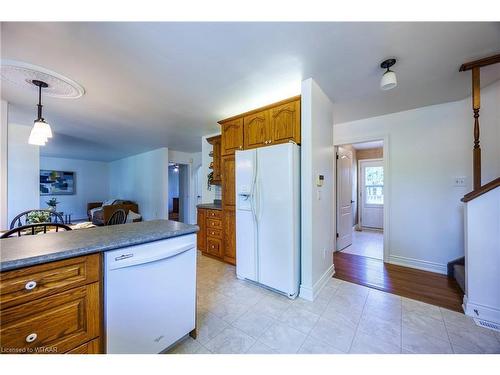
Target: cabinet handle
column 31, row 337
column 30, row 285
column 241, row 147
column 270, row 141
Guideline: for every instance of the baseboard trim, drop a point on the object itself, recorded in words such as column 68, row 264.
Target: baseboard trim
column 475, row 310
column 310, row 293
column 418, row 264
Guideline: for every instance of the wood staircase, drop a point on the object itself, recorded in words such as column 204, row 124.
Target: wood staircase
column 483, row 279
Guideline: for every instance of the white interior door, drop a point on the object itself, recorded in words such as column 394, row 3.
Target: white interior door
column 344, row 198
column 372, row 193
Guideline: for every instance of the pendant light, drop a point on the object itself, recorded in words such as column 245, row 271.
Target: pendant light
column 41, row 130
column 388, row 80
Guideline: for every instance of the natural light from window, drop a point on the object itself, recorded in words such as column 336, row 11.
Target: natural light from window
column 374, row 185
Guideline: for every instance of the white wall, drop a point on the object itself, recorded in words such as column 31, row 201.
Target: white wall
column 3, row 164
column 428, row 147
column 23, row 172
column 317, row 203
column 142, row 178
column 91, row 184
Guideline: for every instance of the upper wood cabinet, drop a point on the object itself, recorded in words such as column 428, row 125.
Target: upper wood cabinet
column 232, row 136
column 272, row 124
column 216, row 156
column 257, row 130
column 285, row 122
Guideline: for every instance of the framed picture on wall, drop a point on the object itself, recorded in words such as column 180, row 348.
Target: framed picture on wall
column 57, row 182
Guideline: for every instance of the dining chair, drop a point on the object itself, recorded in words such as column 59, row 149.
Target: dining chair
column 32, row 229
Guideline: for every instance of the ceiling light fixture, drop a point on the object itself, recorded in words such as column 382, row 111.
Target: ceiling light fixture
column 388, row 80
column 41, row 130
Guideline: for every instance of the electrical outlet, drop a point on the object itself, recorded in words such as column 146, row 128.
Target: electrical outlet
column 459, row 181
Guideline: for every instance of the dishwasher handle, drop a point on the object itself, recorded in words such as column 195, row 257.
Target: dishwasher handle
column 130, row 260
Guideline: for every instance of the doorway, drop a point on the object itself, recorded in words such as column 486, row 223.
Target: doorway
column 178, row 192
column 360, row 199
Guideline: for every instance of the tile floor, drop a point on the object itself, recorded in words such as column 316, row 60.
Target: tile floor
column 235, row 316
column 367, row 243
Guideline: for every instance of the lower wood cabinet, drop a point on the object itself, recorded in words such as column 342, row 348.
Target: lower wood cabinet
column 230, row 236
column 217, row 236
column 58, row 321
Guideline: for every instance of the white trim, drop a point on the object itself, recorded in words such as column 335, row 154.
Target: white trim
column 387, row 177
column 487, row 313
column 360, row 197
column 418, row 264
column 309, row 293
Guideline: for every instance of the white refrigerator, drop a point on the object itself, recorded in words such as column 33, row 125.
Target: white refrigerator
column 268, row 217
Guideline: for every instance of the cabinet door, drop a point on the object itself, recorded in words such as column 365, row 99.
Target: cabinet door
column 232, row 136
column 201, row 237
column 216, row 160
column 230, row 236
column 285, row 122
column 56, row 323
column 256, row 130
column 228, row 181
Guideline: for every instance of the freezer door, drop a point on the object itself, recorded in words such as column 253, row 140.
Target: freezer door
column 246, row 228
column 278, row 215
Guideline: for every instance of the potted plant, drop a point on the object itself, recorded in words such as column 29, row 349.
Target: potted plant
column 52, row 203
column 36, row 217
column 210, row 178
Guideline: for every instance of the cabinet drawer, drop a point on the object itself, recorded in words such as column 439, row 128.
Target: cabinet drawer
column 214, row 246
column 214, row 224
column 214, row 233
column 27, row 284
column 217, row 214
column 91, row 347
column 53, row 324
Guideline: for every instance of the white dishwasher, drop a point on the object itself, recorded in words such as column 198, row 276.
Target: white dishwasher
column 149, row 295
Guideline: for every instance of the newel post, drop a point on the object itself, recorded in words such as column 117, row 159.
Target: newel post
column 476, row 105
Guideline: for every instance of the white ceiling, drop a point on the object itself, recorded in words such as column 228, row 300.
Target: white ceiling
column 166, row 84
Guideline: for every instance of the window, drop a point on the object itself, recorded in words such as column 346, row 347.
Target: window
column 374, row 185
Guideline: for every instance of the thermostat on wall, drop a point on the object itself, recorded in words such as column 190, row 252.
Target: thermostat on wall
column 320, row 180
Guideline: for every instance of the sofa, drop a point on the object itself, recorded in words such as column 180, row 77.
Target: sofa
column 99, row 214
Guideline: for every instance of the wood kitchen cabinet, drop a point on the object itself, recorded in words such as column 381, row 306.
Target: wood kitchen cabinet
column 256, row 130
column 213, row 233
column 201, row 236
column 229, row 243
column 216, row 158
column 232, row 136
column 53, row 307
column 285, row 122
column 228, row 182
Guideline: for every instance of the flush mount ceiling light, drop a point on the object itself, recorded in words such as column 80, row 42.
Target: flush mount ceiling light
column 41, row 130
column 388, row 80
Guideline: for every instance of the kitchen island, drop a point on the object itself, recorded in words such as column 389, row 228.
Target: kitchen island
column 58, row 289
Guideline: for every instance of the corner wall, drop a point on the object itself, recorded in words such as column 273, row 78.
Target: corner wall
column 317, row 203
column 3, row 163
column 143, row 178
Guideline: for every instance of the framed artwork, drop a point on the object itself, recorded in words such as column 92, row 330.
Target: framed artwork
column 57, row 182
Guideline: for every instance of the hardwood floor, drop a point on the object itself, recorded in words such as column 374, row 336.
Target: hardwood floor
column 423, row 286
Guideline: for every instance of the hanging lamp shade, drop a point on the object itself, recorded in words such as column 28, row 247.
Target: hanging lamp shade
column 389, row 80
column 41, row 130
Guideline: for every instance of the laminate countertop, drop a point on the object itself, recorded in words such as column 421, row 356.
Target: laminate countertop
column 210, row 206
column 24, row 251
